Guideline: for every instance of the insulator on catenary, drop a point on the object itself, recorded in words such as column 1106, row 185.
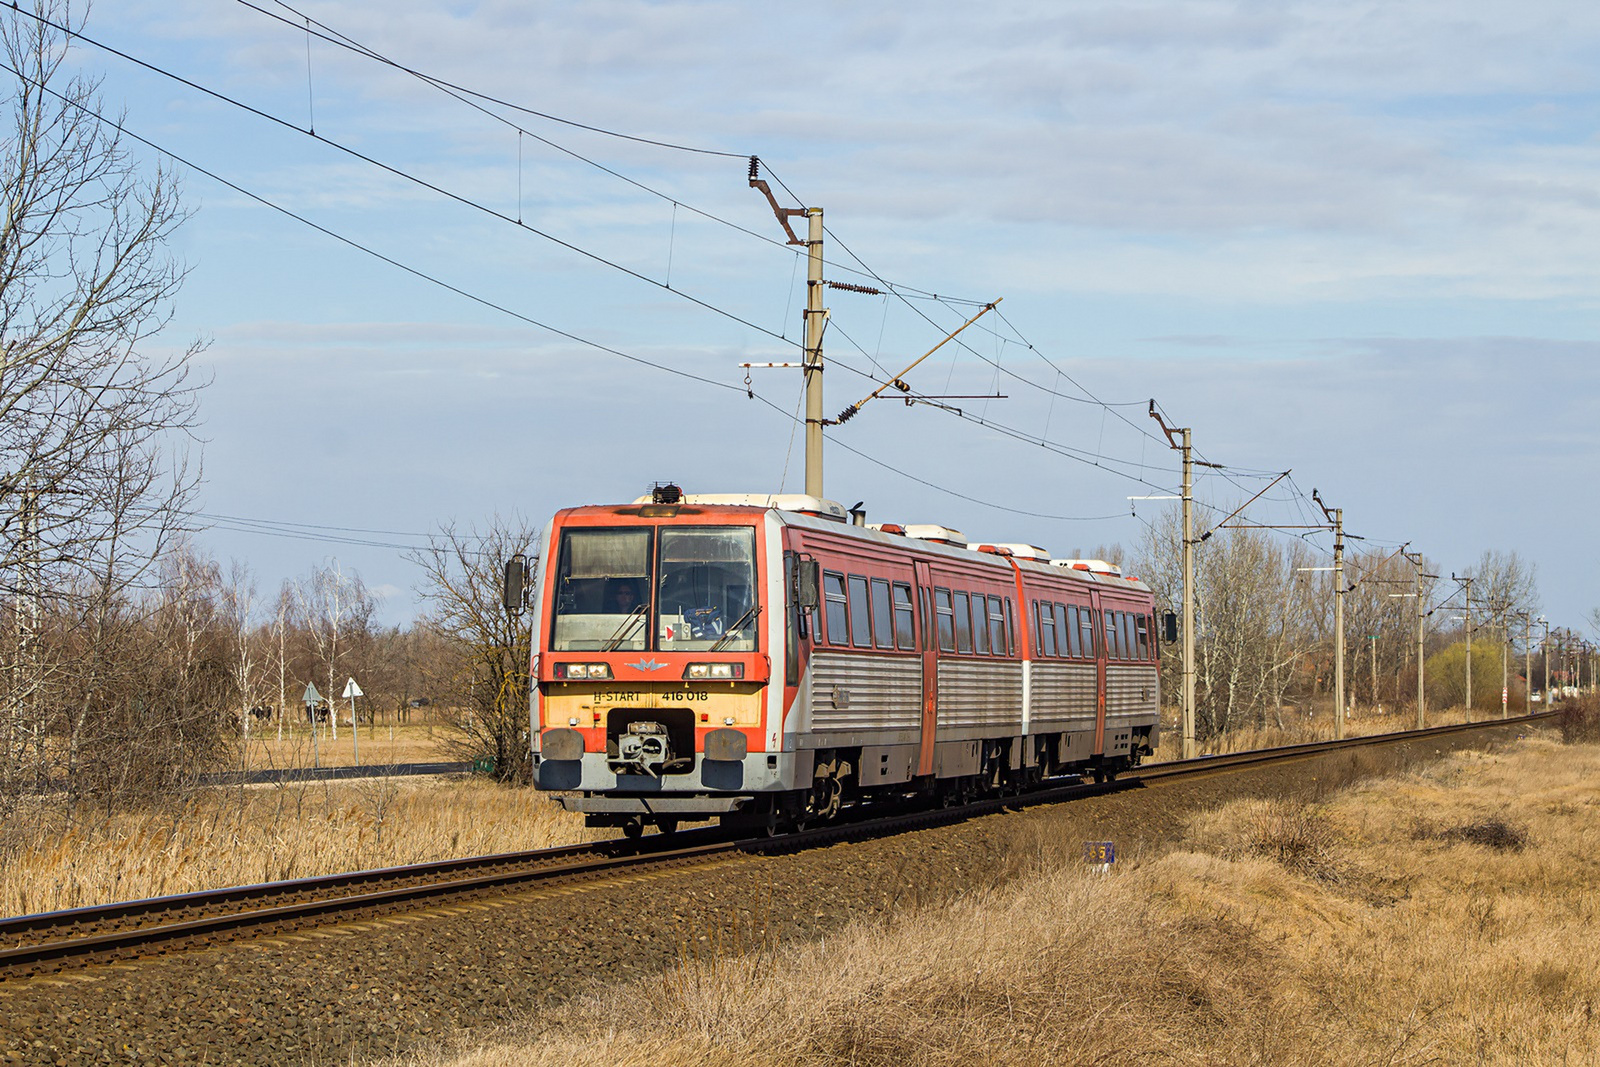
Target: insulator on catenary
column 848, row 413
column 755, row 167
column 853, row 288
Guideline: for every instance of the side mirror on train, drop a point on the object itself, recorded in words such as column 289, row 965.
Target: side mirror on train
column 1169, row 626
column 512, row 592
column 809, row 577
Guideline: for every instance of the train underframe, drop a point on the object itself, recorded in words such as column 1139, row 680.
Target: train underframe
column 837, row 784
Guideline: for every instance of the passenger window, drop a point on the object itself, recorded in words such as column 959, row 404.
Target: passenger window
column 1061, row 629
column 963, row 623
column 1046, row 623
column 1112, row 649
column 860, row 609
column 997, row 627
column 905, row 634
column 947, row 620
column 1091, row 648
column 1126, row 627
column 882, row 618
column 980, row 626
column 833, row 596
column 1142, row 626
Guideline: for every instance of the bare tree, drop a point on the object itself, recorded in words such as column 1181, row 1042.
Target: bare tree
column 336, row 615
column 492, row 645
column 93, row 422
column 1257, row 620
column 238, row 608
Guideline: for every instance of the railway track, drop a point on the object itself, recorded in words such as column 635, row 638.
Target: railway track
column 33, row 945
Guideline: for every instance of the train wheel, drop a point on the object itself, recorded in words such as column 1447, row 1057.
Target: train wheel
column 633, row 829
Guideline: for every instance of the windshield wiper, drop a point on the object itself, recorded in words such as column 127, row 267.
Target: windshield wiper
column 625, row 630
column 727, row 635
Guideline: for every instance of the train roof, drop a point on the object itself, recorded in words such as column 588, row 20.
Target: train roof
column 816, row 513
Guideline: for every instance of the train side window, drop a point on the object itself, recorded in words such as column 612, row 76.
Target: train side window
column 1142, row 632
column 882, row 616
column 1061, row 629
column 1011, row 631
column 905, row 633
column 1126, row 627
column 997, row 626
column 980, row 626
column 1045, row 621
column 833, row 596
column 963, row 613
column 860, row 613
column 947, row 620
column 1112, row 649
column 1086, row 628
column 1074, row 635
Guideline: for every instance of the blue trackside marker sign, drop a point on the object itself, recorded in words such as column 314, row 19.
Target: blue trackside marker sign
column 1100, row 853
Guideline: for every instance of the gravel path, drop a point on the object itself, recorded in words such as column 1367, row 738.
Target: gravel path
column 375, row 987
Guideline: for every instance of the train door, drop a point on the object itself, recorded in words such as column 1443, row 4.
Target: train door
column 930, row 667
column 1101, row 652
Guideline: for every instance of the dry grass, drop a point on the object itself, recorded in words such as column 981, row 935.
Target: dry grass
column 53, row 857
column 1384, row 925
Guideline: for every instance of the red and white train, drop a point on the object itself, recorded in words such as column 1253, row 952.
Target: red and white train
column 767, row 659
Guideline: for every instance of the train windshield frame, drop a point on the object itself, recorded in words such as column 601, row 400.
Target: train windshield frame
column 648, row 588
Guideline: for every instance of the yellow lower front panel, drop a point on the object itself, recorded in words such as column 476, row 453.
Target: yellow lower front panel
column 714, row 703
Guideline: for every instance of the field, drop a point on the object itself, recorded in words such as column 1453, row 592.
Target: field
column 52, row 857
column 1440, row 916
column 420, row 741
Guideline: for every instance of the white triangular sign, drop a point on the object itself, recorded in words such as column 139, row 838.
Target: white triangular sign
column 351, row 689
column 312, row 696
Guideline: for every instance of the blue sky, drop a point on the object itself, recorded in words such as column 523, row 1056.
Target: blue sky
column 1355, row 240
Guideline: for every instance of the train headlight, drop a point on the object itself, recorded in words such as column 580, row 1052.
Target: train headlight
column 570, row 671
column 713, row 671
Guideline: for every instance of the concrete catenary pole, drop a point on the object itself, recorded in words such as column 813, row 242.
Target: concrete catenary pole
column 1468, row 583
column 1527, row 662
column 1547, row 691
column 1189, row 747
column 1338, row 622
column 816, row 319
column 1179, row 439
column 1422, row 702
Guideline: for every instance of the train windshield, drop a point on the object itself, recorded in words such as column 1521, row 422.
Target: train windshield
column 702, row 579
column 705, row 589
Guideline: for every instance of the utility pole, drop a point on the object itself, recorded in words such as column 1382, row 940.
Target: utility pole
column 1416, row 560
column 1527, row 662
column 1547, row 693
column 1189, row 748
column 1466, row 583
column 1336, row 516
column 1374, row 639
column 1505, row 677
column 816, row 317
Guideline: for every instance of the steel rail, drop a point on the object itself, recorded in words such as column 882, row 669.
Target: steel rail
column 34, row 944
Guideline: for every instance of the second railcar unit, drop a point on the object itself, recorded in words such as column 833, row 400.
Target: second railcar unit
column 765, row 659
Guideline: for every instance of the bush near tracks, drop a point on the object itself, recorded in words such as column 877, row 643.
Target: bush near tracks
column 1440, row 916
column 1580, row 721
